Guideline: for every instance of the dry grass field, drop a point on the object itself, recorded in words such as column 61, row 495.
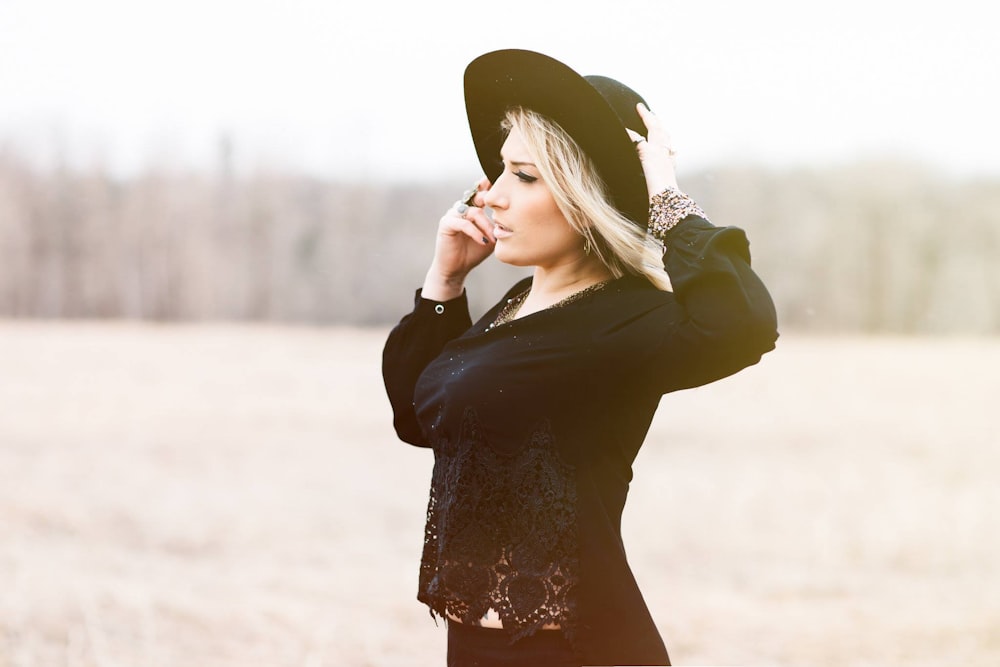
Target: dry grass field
column 223, row 496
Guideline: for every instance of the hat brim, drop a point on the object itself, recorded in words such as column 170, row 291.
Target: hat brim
column 499, row 80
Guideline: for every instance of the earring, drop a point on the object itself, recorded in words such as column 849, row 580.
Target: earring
column 586, row 246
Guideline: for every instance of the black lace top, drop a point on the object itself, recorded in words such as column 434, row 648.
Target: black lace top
column 535, row 424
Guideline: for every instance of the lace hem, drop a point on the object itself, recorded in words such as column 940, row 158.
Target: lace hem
column 501, row 533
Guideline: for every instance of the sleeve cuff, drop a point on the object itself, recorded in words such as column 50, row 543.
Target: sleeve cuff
column 668, row 208
column 458, row 305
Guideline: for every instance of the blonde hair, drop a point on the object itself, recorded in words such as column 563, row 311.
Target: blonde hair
column 621, row 245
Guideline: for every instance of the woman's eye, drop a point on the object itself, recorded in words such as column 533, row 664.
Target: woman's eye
column 525, row 177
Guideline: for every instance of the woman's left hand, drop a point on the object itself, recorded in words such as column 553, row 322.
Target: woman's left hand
column 655, row 153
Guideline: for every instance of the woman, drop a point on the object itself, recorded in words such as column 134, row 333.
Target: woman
column 536, row 411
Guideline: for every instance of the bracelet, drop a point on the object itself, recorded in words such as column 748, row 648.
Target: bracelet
column 669, row 207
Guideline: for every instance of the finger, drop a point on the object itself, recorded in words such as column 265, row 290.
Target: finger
column 479, row 218
column 472, row 230
column 641, row 147
column 657, row 133
column 647, row 116
column 459, row 218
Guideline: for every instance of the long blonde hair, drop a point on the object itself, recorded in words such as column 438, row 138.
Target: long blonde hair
column 623, row 247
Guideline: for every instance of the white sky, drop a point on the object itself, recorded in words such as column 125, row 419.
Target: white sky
column 368, row 88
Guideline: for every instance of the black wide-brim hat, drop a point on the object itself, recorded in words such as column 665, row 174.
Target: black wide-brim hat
column 593, row 110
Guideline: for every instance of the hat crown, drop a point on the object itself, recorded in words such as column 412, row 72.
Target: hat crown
column 621, row 99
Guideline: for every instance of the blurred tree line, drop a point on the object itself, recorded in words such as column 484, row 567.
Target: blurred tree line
column 871, row 247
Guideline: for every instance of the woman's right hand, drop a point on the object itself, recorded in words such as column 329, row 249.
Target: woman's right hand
column 464, row 240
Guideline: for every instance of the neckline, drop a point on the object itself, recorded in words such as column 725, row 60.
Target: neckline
column 510, row 309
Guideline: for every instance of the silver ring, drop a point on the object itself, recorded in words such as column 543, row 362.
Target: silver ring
column 469, row 196
column 461, row 207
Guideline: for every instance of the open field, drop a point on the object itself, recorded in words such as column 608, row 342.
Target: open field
column 234, row 495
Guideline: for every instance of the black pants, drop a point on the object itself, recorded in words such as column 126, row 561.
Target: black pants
column 471, row 646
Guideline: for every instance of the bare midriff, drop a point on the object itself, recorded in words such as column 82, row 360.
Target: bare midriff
column 491, row 619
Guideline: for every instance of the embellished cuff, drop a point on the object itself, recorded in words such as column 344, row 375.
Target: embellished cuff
column 669, row 207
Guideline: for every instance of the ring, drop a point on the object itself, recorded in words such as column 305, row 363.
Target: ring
column 469, row 196
column 461, row 207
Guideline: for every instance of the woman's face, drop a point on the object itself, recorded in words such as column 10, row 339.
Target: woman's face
column 528, row 225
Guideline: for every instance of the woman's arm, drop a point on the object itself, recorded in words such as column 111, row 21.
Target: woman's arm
column 722, row 318
column 440, row 312
column 464, row 240
column 412, row 344
column 718, row 319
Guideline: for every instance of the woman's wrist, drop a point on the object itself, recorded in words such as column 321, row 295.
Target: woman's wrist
column 667, row 208
column 665, row 181
column 438, row 287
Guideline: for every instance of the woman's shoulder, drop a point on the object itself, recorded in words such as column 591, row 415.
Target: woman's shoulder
column 637, row 290
column 628, row 301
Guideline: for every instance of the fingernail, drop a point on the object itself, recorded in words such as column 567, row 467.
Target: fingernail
column 486, row 240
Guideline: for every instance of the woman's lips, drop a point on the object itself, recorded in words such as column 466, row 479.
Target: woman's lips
column 499, row 231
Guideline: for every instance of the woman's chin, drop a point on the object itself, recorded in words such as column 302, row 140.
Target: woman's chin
column 506, row 255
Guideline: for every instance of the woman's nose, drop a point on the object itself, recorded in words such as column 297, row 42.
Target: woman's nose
column 494, row 197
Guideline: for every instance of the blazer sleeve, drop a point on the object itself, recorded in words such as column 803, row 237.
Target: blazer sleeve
column 411, row 346
column 719, row 319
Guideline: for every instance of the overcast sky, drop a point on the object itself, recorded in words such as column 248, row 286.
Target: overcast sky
column 374, row 88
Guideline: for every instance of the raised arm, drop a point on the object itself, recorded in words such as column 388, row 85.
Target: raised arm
column 440, row 312
column 464, row 240
column 721, row 318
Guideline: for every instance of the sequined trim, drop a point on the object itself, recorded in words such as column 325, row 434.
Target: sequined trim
column 510, row 308
column 669, row 207
column 514, row 303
